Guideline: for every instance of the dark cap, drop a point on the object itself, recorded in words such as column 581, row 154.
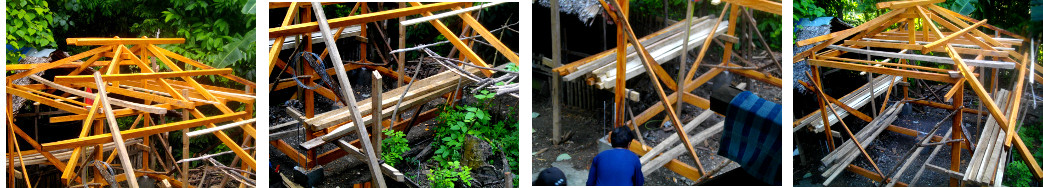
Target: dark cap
column 551, row 177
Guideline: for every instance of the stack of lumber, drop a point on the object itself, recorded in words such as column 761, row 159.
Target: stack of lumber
column 657, row 157
column 421, row 92
column 848, row 152
column 62, row 154
column 856, row 99
column 316, row 37
column 663, row 45
column 990, row 155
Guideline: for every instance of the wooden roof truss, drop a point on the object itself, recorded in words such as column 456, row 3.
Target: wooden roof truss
column 159, row 91
column 959, row 42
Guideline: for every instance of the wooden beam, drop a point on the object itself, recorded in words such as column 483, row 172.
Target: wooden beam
column 223, row 127
column 936, row 59
column 63, row 61
column 346, row 91
column 452, row 38
column 46, row 101
column 128, row 167
column 141, row 76
column 122, row 41
column 906, row 4
column 118, row 102
column 310, row 27
column 761, row 5
column 488, row 36
column 141, row 132
column 884, row 70
column 946, row 39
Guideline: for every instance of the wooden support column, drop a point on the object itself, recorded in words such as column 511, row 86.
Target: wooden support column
column 957, row 133
column 378, row 125
column 349, row 96
column 621, row 81
column 555, row 22
column 684, row 57
column 184, row 142
column 401, row 45
column 822, row 109
column 128, row 166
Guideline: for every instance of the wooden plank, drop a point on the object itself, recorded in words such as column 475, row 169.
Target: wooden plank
column 1018, row 89
column 128, row 167
column 884, row 70
column 360, row 19
column 936, row 59
column 906, row 4
column 488, row 36
column 761, row 5
column 46, row 101
column 122, row 41
column 88, row 95
column 386, row 169
column 658, row 162
column 285, row 148
column 834, row 101
column 840, row 35
column 43, row 67
column 451, row 37
column 223, row 127
column 141, row 132
column 872, row 175
column 669, row 141
column 141, row 76
column 946, row 39
column 375, row 91
column 346, row 90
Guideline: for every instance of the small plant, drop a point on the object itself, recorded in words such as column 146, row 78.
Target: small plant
column 447, row 175
column 393, row 146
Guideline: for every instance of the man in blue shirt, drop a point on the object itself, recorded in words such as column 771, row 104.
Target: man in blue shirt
column 617, row 166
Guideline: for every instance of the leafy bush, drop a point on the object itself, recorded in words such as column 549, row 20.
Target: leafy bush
column 28, row 26
column 447, row 175
column 807, row 9
column 393, row 146
column 1017, row 175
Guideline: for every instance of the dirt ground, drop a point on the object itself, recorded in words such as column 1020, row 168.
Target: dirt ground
column 889, row 147
column 589, row 125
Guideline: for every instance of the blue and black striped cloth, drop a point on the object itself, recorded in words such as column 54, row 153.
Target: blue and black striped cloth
column 752, row 136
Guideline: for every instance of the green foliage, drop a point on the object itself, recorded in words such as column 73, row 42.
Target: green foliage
column 965, row 7
column 1017, row 175
column 393, row 146
column 447, row 175
column 219, row 33
column 807, row 9
column 456, row 123
column 28, row 26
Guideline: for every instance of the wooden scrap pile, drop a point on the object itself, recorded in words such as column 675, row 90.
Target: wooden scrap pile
column 367, row 118
column 127, row 82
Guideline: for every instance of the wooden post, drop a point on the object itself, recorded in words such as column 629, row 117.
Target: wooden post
column 309, row 95
column 128, row 166
column 555, row 84
column 184, row 143
column 401, row 55
column 377, row 135
column 621, row 48
column 957, row 133
column 684, row 58
column 349, row 96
